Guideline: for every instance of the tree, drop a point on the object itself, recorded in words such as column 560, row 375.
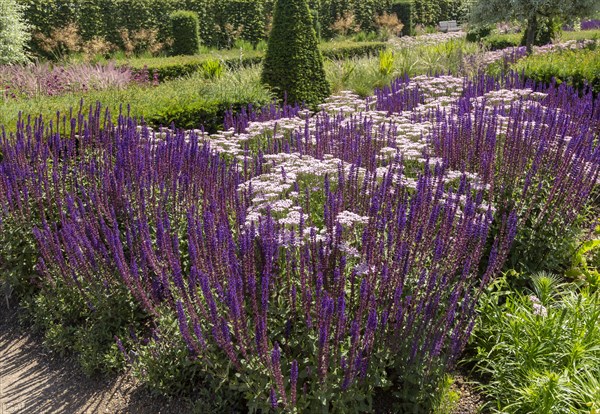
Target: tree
column 293, row 64
column 14, row 33
column 531, row 12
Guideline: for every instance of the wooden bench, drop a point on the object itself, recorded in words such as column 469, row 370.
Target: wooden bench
column 449, row 26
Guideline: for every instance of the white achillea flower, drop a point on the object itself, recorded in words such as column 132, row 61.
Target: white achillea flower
column 534, row 299
column 539, row 310
column 348, row 218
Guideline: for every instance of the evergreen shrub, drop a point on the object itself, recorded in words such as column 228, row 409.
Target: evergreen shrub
column 185, row 31
column 293, row 65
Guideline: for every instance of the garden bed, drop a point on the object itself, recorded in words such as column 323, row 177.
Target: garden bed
column 293, row 249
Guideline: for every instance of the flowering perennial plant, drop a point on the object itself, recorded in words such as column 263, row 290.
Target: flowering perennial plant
column 315, row 257
column 27, row 81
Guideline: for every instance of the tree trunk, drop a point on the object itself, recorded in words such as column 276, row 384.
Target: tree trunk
column 531, row 32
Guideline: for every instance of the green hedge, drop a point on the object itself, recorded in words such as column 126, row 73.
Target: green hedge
column 404, row 11
column 431, row 12
column 293, row 64
column 185, row 28
column 178, row 66
column 497, row 42
column 246, row 16
column 575, row 67
column 221, row 21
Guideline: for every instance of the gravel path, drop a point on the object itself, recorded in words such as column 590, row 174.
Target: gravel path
column 34, row 381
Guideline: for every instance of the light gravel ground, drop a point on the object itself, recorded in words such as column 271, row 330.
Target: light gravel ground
column 34, row 381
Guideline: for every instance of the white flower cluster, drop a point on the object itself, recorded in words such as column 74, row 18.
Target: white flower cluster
column 348, row 219
column 346, row 102
column 538, row 308
column 269, row 188
column 403, row 142
column 505, row 96
column 425, row 40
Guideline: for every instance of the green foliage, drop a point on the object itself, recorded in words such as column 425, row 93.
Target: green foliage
column 188, row 102
column 575, row 67
column 534, row 13
column 547, row 31
column 185, row 28
column 342, row 50
column 212, row 69
column 538, row 351
column 164, row 365
column 18, row 257
column 244, row 16
column 448, row 398
column 14, row 33
column 475, row 34
column 431, row 12
column 365, row 12
column 404, row 11
column 386, row 62
column 73, row 322
column 173, row 67
column 585, row 264
column 222, row 22
column 293, row 65
column 498, row 42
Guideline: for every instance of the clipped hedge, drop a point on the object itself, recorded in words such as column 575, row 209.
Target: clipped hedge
column 577, row 68
column 347, row 50
column 497, row 42
column 404, row 11
column 178, row 66
column 477, row 33
column 431, row 12
column 293, row 64
column 245, row 16
column 185, row 28
column 221, row 21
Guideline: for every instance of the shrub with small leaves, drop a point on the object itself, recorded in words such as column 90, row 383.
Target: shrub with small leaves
column 13, row 33
column 185, row 28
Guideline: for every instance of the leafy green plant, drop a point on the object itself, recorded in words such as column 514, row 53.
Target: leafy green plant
column 172, row 67
column 448, row 398
column 189, row 102
column 212, row 69
column 575, row 67
column 386, row 62
column 581, row 269
column 533, row 347
column 476, row 33
column 497, row 42
column 14, row 33
column 403, row 9
column 72, row 323
column 18, row 258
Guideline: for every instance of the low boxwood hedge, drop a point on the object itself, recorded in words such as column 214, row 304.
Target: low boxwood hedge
column 177, row 66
